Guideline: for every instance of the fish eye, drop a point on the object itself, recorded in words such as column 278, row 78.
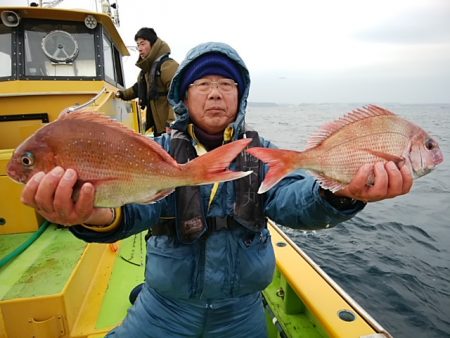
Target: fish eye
column 429, row 144
column 27, row 159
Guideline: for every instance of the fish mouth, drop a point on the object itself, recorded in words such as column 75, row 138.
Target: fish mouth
column 439, row 158
column 15, row 176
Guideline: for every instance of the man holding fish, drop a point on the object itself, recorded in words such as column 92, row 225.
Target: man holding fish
column 210, row 254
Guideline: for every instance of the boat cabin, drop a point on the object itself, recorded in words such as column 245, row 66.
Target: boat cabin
column 52, row 60
column 55, row 44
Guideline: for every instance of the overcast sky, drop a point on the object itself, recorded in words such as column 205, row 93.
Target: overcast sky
column 310, row 51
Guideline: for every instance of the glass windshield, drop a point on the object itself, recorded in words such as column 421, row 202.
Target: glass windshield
column 5, row 51
column 66, row 50
column 108, row 58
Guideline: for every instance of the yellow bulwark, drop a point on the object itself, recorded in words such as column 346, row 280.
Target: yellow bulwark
column 307, row 302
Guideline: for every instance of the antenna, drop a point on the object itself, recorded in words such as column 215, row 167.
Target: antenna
column 115, row 15
column 49, row 3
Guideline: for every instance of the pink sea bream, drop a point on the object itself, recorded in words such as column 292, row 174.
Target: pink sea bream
column 366, row 135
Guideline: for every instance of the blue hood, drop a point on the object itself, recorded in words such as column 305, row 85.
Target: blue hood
column 174, row 92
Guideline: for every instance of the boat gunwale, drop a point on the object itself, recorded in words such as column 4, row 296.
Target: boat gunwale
column 333, row 284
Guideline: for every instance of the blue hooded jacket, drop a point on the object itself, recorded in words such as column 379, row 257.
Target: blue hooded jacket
column 228, row 263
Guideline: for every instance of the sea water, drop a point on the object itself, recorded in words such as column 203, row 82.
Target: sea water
column 393, row 258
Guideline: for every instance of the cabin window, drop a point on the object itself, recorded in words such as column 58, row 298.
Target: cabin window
column 59, row 50
column 118, row 67
column 108, row 59
column 5, row 52
column 112, row 60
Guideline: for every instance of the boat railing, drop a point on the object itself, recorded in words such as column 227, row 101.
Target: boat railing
column 87, row 103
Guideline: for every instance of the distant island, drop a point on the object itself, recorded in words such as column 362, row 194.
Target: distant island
column 262, row 104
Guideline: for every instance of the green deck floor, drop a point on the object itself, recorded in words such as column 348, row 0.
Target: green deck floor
column 128, row 272
column 43, row 268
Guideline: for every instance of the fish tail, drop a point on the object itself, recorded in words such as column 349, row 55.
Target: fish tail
column 280, row 162
column 212, row 166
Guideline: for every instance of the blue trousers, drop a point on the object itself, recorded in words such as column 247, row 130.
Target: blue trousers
column 156, row 316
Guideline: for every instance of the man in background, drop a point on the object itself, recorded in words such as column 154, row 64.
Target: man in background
column 153, row 82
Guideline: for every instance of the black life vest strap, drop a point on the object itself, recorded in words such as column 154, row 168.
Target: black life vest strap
column 248, row 210
column 155, row 74
column 190, row 221
column 144, row 99
column 142, row 90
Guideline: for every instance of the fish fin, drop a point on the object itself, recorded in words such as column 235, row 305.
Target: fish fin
column 328, row 183
column 356, row 115
column 280, row 162
column 388, row 157
column 156, row 197
column 100, row 118
column 212, row 166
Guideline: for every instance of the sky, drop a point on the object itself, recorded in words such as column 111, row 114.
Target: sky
column 304, row 51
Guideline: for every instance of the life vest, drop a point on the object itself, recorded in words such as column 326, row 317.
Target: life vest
column 191, row 223
column 154, row 92
column 155, row 74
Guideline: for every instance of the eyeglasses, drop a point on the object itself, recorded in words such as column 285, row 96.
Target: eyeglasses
column 205, row 85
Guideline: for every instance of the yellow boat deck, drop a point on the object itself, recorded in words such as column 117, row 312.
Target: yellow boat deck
column 63, row 287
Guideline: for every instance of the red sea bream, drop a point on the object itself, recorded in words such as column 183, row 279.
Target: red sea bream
column 124, row 166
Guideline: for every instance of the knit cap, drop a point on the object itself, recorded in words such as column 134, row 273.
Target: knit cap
column 212, row 64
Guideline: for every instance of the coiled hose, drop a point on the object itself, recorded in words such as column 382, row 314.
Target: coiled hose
column 21, row 248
